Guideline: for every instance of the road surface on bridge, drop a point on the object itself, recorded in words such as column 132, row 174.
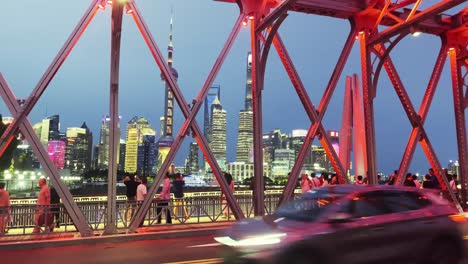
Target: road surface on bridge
column 186, row 250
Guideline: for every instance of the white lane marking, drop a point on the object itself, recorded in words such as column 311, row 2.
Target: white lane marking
column 206, row 245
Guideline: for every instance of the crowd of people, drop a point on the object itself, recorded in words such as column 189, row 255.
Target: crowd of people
column 430, row 181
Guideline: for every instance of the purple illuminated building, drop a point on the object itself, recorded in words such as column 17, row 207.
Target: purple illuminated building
column 56, row 151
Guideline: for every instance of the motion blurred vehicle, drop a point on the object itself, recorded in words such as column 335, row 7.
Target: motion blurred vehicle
column 350, row 224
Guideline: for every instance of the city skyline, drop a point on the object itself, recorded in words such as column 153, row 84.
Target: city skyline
column 392, row 127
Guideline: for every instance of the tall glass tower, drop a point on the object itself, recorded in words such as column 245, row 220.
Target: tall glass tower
column 218, row 133
column 213, row 93
column 245, row 132
column 166, row 139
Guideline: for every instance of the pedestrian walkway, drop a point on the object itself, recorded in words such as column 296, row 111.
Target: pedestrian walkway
column 73, row 238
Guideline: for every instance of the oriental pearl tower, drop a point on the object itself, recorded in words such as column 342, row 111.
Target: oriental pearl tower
column 166, row 139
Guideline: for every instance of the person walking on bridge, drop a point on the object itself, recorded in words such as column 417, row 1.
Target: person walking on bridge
column 4, row 208
column 43, row 216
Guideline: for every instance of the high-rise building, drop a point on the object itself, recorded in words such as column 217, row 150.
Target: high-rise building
column 48, row 129
column 296, row 141
column 192, row 165
column 56, row 151
column 136, row 129
column 271, row 141
column 213, row 93
column 103, row 154
column 147, row 156
column 166, row 139
column 248, row 86
column 218, row 133
column 79, row 142
column 245, row 137
column 123, row 146
column 320, row 159
column 334, row 137
column 103, row 147
column 245, row 133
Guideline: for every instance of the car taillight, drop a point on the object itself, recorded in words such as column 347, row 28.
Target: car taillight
column 458, row 218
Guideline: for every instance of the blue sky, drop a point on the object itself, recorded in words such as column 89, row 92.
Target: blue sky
column 34, row 31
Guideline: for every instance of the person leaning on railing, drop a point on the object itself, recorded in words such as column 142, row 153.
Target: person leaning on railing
column 4, row 208
column 163, row 200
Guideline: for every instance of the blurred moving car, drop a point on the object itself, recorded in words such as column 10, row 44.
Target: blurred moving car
column 349, row 224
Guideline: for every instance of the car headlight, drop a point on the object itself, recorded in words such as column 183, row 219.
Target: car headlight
column 260, row 240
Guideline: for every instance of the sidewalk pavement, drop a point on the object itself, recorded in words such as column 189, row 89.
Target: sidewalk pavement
column 35, row 241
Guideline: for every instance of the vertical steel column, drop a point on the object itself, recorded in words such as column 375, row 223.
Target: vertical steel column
column 26, row 128
column 368, row 96
column 257, row 87
column 114, row 133
column 460, row 120
column 49, row 75
column 189, row 114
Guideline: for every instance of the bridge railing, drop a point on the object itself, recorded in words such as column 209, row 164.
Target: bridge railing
column 23, row 219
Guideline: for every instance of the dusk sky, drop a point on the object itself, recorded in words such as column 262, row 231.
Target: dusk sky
column 32, row 33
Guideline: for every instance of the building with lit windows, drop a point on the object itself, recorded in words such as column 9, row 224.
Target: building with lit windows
column 137, row 128
column 147, row 156
column 296, row 141
column 56, row 150
column 320, row 159
column 104, row 144
column 218, row 133
column 271, row 141
column 245, row 133
column 192, row 165
column 79, row 142
column 243, row 170
column 213, row 93
column 245, row 137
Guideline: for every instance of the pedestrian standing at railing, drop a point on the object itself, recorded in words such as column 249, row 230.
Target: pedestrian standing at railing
column 179, row 202
column 224, row 204
column 163, row 200
column 131, row 182
column 43, row 215
column 55, row 206
column 141, row 194
column 4, row 208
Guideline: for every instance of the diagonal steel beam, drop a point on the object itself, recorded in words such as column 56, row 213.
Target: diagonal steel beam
column 273, row 16
column 189, row 114
column 26, row 128
column 316, row 119
column 114, row 133
column 423, row 110
column 419, row 17
column 41, row 86
column 416, row 122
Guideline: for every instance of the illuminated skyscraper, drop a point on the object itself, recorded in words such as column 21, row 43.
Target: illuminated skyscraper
column 56, row 151
column 213, row 93
column 245, row 133
column 79, row 142
column 192, row 165
column 147, row 156
column 218, row 133
column 271, row 141
column 103, row 147
column 137, row 128
column 166, row 139
column 334, row 137
column 296, row 141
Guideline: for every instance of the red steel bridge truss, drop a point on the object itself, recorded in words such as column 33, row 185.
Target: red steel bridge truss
column 397, row 18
